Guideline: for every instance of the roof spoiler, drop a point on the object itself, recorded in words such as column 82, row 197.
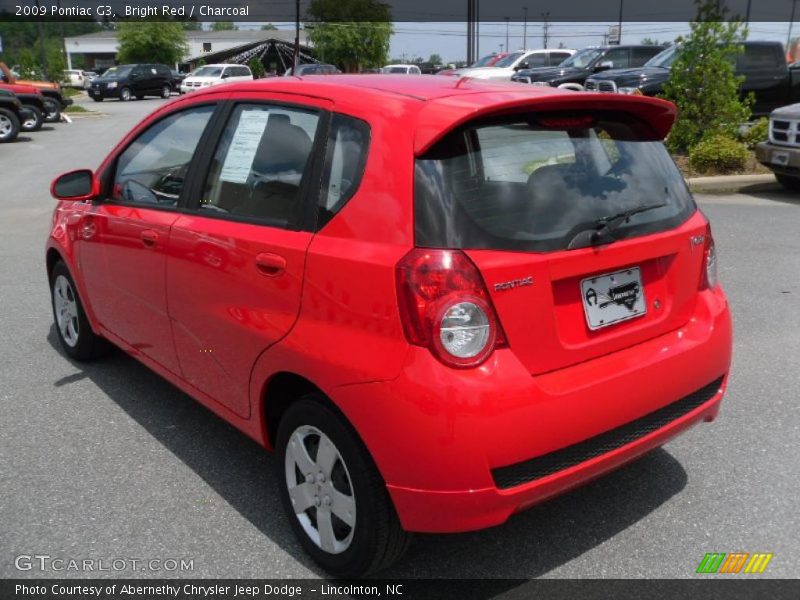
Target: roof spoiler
column 443, row 115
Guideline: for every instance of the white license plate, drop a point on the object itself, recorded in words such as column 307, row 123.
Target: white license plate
column 780, row 158
column 613, row 297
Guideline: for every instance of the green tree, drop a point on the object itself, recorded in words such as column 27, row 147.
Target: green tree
column 150, row 41
column 352, row 34
column 192, row 25
column 435, row 59
column 224, row 26
column 268, row 27
column 702, row 82
column 257, row 67
column 650, row 42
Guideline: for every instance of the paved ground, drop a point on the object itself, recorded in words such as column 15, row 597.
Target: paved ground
column 108, row 460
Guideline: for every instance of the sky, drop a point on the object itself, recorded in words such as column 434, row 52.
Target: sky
column 449, row 40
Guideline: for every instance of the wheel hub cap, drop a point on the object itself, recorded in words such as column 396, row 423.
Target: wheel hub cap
column 66, row 309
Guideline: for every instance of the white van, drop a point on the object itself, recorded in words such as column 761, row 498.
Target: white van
column 214, row 75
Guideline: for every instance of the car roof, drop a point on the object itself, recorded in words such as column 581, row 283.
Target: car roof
column 442, row 103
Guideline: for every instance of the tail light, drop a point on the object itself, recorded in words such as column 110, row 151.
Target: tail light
column 710, row 276
column 445, row 306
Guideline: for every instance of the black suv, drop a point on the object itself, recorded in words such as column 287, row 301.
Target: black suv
column 12, row 114
column 573, row 72
column 132, row 81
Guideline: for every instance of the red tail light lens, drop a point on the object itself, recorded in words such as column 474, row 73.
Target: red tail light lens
column 710, row 277
column 444, row 306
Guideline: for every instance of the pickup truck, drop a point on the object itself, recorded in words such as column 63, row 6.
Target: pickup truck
column 781, row 153
column 12, row 115
column 54, row 99
column 763, row 65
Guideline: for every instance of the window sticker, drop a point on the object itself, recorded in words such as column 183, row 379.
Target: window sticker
column 244, row 145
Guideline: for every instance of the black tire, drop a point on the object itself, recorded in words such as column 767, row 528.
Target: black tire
column 377, row 539
column 9, row 126
column 86, row 345
column 97, row 98
column 36, row 122
column 166, row 92
column 52, row 110
column 790, row 183
column 125, row 94
column 140, row 96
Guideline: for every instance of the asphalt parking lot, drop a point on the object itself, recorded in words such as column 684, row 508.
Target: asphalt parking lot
column 108, row 461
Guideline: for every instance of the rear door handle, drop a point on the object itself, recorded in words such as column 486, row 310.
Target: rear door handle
column 149, row 238
column 270, row 264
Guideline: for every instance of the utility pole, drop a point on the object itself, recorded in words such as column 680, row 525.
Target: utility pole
column 296, row 36
column 791, row 22
column 470, row 30
column 42, row 50
column 524, row 27
column 545, row 26
column 747, row 16
column 507, row 20
column 477, row 29
column 620, row 22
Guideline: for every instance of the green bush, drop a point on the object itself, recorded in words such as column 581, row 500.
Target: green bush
column 718, row 154
column 759, row 132
column 257, row 67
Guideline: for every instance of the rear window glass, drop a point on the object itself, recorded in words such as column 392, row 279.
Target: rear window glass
column 533, row 183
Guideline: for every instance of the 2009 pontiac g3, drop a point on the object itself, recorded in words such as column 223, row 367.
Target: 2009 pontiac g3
column 440, row 302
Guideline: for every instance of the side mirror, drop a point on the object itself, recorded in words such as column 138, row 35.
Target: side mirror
column 523, row 65
column 605, row 65
column 75, row 186
column 226, row 75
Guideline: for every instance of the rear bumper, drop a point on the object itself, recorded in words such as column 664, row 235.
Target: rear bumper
column 444, row 439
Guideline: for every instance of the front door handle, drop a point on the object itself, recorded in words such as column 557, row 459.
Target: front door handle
column 149, row 238
column 270, row 264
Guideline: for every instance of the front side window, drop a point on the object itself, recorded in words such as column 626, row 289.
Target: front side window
column 260, row 164
column 153, row 168
column 536, row 60
column 533, row 183
column 618, row 57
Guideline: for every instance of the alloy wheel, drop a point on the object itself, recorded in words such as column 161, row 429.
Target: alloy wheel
column 6, row 126
column 320, row 489
column 66, row 309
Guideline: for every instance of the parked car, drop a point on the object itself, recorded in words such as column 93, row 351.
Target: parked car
column 314, row 69
column 54, row 99
column 504, row 68
column 132, row 81
column 89, row 77
column 401, row 70
column 572, row 73
column 12, row 115
column 439, row 301
column 33, row 100
column 781, row 153
column 214, row 75
column 75, row 78
column 763, row 65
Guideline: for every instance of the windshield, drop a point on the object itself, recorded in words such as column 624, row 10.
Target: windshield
column 583, row 58
column 509, row 60
column 519, row 184
column 208, row 72
column 483, row 61
column 663, row 59
column 118, row 72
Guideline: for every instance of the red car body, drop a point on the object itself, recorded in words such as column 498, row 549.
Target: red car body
column 238, row 314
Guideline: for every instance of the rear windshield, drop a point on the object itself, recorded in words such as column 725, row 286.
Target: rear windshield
column 532, row 183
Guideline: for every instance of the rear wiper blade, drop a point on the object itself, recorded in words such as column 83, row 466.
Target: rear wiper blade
column 601, row 229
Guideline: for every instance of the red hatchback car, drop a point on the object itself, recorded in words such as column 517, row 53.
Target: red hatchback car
column 439, row 301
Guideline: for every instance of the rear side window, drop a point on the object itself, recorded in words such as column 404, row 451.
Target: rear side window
column 260, row 164
column 641, row 55
column 348, row 144
column 532, row 183
column 556, row 58
column 757, row 57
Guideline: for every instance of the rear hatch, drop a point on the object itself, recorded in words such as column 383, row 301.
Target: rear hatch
column 580, row 224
